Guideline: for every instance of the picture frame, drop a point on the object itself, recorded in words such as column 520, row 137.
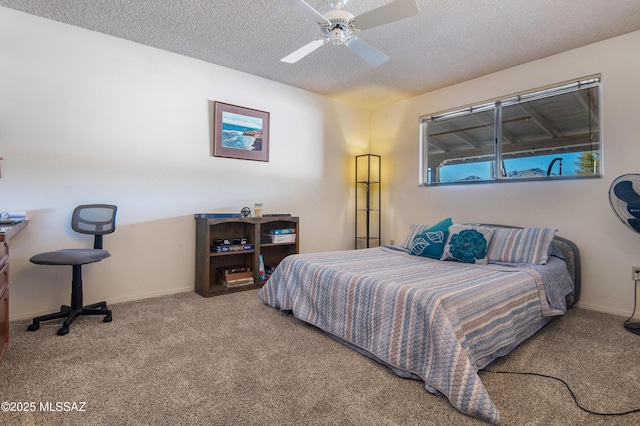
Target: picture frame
column 239, row 132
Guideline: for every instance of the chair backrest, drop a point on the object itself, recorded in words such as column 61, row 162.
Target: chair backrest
column 94, row 219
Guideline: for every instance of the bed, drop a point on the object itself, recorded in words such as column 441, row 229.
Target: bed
column 438, row 321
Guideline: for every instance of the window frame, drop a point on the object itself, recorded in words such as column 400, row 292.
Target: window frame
column 498, row 172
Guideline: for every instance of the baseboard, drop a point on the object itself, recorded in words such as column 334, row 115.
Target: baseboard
column 604, row 310
column 152, row 295
column 191, row 288
column 111, row 301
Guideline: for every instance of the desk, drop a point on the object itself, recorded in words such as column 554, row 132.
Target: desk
column 6, row 233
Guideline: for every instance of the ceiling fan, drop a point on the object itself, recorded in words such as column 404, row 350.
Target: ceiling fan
column 338, row 27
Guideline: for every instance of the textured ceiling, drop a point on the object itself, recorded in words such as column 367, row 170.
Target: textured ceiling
column 448, row 42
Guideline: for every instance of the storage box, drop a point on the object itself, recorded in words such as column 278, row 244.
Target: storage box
column 234, row 273
column 278, row 238
column 238, row 282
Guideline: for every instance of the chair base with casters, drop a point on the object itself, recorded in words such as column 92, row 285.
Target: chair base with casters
column 76, row 309
column 94, row 219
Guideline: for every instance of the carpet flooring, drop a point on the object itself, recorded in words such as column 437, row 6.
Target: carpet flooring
column 231, row 360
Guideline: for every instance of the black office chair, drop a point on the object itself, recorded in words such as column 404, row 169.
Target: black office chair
column 94, row 219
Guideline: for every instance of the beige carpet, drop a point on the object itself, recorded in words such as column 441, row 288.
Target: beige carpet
column 230, row 360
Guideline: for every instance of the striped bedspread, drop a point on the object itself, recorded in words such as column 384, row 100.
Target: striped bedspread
column 439, row 321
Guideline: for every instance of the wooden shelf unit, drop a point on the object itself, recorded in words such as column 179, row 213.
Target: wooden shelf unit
column 208, row 261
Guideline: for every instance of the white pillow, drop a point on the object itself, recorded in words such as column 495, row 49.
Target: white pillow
column 468, row 244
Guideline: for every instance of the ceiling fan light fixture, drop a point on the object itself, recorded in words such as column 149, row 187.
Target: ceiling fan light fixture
column 338, row 27
column 336, row 38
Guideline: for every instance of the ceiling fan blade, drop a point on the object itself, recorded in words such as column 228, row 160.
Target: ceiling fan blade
column 308, row 11
column 393, row 11
column 303, row 51
column 370, row 54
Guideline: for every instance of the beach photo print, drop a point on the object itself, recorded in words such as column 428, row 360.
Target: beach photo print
column 240, row 132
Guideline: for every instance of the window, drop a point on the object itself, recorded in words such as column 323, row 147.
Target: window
column 548, row 134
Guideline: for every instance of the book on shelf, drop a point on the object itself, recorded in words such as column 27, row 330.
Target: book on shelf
column 261, row 269
column 281, row 238
column 232, row 248
column 229, row 241
column 217, row 215
column 12, row 218
column 280, row 231
column 236, row 269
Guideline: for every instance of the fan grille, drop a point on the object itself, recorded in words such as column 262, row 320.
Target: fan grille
column 624, row 197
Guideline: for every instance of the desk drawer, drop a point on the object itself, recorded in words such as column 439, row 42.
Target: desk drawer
column 4, row 253
column 4, row 278
column 4, row 310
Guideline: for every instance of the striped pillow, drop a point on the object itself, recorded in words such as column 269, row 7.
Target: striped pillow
column 414, row 229
column 528, row 245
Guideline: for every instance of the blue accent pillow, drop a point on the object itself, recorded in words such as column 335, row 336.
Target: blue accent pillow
column 431, row 241
column 468, row 244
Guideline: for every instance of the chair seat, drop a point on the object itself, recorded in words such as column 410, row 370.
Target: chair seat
column 70, row 257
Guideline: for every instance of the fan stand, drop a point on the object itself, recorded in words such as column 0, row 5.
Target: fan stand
column 633, row 327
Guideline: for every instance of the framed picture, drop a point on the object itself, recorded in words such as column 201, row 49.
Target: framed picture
column 240, row 132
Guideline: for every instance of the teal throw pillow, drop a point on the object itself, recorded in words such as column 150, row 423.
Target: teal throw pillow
column 468, row 244
column 430, row 242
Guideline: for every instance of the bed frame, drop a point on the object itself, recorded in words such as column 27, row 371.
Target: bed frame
column 434, row 350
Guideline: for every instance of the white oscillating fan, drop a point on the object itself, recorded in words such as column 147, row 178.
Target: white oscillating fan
column 624, row 196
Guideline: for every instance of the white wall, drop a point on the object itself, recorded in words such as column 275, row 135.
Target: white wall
column 579, row 209
column 85, row 117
